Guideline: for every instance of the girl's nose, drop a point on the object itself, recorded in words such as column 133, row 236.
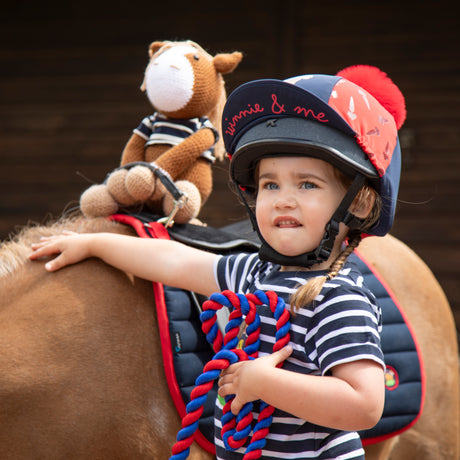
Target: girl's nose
column 285, row 200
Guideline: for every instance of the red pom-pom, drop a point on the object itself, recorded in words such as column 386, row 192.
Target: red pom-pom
column 377, row 83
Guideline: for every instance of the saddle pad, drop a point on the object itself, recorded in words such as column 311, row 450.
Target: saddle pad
column 219, row 241
column 186, row 351
column 404, row 376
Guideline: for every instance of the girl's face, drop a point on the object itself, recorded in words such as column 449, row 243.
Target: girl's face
column 296, row 198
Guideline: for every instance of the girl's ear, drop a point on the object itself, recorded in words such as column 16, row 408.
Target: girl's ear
column 363, row 203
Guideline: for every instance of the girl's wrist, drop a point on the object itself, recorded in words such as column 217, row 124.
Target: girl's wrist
column 93, row 244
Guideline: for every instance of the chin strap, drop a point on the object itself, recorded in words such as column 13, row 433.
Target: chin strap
column 324, row 250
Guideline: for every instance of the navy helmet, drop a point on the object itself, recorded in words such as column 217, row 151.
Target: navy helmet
column 322, row 116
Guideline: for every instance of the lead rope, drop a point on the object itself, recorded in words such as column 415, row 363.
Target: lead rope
column 235, row 429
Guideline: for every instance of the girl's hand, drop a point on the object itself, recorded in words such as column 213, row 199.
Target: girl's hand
column 243, row 379
column 70, row 247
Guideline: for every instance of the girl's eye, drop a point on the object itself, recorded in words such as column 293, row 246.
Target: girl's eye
column 268, row 186
column 307, row 185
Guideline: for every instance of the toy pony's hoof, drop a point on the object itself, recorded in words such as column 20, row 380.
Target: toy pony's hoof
column 140, row 183
column 117, row 188
column 192, row 205
column 97, row 202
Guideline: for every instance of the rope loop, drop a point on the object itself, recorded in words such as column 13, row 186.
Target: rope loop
column 235, row 429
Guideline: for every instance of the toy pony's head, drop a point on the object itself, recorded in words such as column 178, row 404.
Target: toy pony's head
column 183, row 81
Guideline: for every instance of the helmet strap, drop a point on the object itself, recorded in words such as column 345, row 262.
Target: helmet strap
column 324, row 250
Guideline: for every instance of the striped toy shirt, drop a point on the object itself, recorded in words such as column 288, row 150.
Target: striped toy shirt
column 158, row 129
column 341, row 326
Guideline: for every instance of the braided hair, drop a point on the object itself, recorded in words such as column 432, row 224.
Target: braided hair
column 307, row 293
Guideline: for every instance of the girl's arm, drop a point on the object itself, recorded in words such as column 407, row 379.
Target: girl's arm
column 164, row 261
column 351, row 399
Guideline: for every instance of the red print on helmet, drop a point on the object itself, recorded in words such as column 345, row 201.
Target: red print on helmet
column 375, row 128
column 275, row 107
column 231, row 125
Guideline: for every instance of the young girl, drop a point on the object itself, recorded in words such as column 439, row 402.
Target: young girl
column 318, row 157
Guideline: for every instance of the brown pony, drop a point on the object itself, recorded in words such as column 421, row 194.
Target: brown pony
column 81, row 374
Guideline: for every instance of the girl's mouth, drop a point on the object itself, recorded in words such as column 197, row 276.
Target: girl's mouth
column 286, row 222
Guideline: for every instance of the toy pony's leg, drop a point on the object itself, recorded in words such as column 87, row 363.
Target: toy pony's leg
column 197, row 185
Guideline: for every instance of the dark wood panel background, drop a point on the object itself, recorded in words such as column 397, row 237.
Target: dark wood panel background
column 69, row 96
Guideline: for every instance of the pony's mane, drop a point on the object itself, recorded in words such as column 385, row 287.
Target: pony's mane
column 14, row 252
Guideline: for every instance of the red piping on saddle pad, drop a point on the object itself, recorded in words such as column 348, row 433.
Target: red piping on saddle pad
column 378, row 439
column 157, row 230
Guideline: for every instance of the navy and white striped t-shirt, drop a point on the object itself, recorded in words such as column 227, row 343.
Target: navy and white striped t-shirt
column 158, row 129
column 341, row 326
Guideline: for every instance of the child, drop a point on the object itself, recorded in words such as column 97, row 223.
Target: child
column 316, row 161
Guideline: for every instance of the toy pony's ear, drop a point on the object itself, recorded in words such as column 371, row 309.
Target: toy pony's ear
column 227, row 62
column 154, row 47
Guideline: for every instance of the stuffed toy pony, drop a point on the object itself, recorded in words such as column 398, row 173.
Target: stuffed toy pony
column 180, row 141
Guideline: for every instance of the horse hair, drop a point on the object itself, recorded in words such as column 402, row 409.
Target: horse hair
column 14, row 252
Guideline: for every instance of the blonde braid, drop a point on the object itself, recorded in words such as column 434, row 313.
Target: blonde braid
column 306, row 293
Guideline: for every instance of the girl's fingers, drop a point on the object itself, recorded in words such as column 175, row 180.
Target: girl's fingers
column 36, row 246
column 282, row 354
column 236, row 406
column 222, row 381
column 43, row 249
column 50, row 243
column 54, row 264
column 46, row 239
column 226, row 389
column 64, row 249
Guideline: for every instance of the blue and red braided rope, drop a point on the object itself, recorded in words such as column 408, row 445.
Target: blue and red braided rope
column 235, row 430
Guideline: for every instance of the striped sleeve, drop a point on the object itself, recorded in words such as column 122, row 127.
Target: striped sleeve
column 345, row 328
column 170, row 132
column 205, row 122
column 235, row 272
column 145, row 127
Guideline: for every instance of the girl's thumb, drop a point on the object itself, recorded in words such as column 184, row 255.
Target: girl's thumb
column 280, row 355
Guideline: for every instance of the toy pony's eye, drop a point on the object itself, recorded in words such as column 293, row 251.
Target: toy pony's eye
column 196, row 57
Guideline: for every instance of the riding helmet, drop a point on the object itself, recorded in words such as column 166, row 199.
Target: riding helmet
column 350, row 120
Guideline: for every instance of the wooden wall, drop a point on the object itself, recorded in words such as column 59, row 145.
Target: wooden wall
column 69, row 96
